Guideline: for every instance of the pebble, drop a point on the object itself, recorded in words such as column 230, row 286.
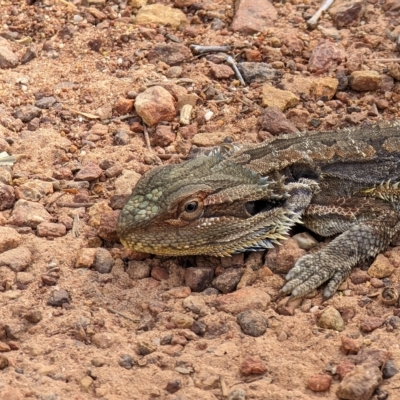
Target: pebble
column 344, row 368
column 169, row 53
column 85, row 258
column 281, row 259
column 198, row 278
column 103, row 261
column 323, row 88
column 359, row 277
column 331, row 319
column 86, row 383
column 228, row 280
column 208, row 115
column 305, row 241
column 283, row 99
column 173, row 386
column 237, row 394
column 257, row 72
column 17, row 259
column 253, row 16
column 221, row 71
column 252, row 322
column 58, row 298
column 182, row 321
column 274, row 121
column 180, row 292
column 27, row 213
column 89, row 173
column 324, row 56
column 103, row 340
column 124, row 106
column 350, row 345
column 160, row 14
column 159, row 273
column 126, row 361
column 346, row 14
column 51, row 230
column 4, row 363
column 319, row 383
column 381, row 267
column 125, row 183
column 247, row 298
column 34, row 190
column 389, row 369
column 163, row 136
column 46, row 102
column 108, row 226
column 8, row 59
column 7, row 196
column 360, row 383
column 154, row 105
column 27, row 113
column 362, row 81
column 194, row 303
column 394, row 322
column 199, row 328
column 33, row 316
column 9, row 238
column 138, row 269
column 145, row 347
column 369, row 324
column 252, row 365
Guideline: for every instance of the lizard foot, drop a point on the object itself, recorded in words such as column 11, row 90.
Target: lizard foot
column 313, row 270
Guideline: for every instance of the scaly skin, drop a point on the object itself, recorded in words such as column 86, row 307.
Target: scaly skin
column 246, row 197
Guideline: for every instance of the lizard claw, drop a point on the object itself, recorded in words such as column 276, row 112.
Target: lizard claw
column 313, row 270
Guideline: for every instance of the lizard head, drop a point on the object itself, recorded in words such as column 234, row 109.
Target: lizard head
column 204, row 206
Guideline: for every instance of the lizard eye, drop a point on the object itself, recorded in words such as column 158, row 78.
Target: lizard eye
column 191, row 206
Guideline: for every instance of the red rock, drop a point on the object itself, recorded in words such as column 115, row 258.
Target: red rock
column 8, row 59
column 159, row 273
column 9, row 239
column 136, row 127
column 293, row 44
column 221, row 71
column 350, row 345
column 347, row 14
column 369, row 324
column 99, row 129
column 187, row 132
column 252, row 365
column 28, row 213
column 51, row 230
column 392, row 7
column 274, row 121
column 163, row 136
column 198, row 278
column 253, row 55
column 124, row 106
column 108, row 226
column 89, row 173
column 7, row 196
column 154, row 105
column 358, row 277
column 319, row 383
column 324, row 56
column 344, row 368
column 252, row 16
column 169, row 53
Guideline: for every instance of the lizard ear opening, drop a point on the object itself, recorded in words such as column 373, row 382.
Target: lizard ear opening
column 257, row 206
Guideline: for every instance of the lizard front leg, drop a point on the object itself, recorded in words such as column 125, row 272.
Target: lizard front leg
column 367, row 230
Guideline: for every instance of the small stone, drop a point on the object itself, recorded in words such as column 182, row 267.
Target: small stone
column 124, row 106
column 163, row 136
column 138, row 269
column 27, row 213
column 86, row 383
column 33, row 125
column 194, row 303
column 169, row 53
column 108, row 226
column 359, row 277
column 98, row 362
column 344, row 368
column 173, row 386
column 381, row 267
column 394, row 322
column 51, row 230
column 346, row 14
column 103, row 340
column 324, row 56
column 160, row 14
column 257, row 72
column 281, row 259
column 253, row 16
column 27, row 113
column 182, row 321
column 228, row 280
column 126, row 361
column 4, row 347
column 252, row 322
column 85, row 258
column 221, row 71
column 122, row 138
column 360, row 383
column 125, row 183
column 154, row 105
column 252, row 365
column 174, row 72
column 33, row 316
column 7, row 196
column 4, row 363
column 34, row 190
column 274, row 121
column 331, row 319
column 362, row 81
column 103, row 262
column 283, row 99
column 145, row 347
column 324, row 88
column 319, row 383
column 253, row 55
column 45, row 102
column 199, row 328
column 305, row 241
column 208, row 139
column 369, row 324
column 28, row 56
column 9, row 239
column 350, row 346
column 159, row 273
column 17, row 259
column 389, row 369
column 89, row 173
column 198, row 278
column 237, row 394
column 58, row 298
column 99, row 130
column 180, row 292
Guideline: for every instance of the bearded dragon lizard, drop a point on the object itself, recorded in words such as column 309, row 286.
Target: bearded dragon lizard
column 247, row 197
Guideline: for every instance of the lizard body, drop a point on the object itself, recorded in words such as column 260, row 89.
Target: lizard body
column 247, row 197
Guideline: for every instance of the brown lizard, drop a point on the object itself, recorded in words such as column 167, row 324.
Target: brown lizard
column 247, row 197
